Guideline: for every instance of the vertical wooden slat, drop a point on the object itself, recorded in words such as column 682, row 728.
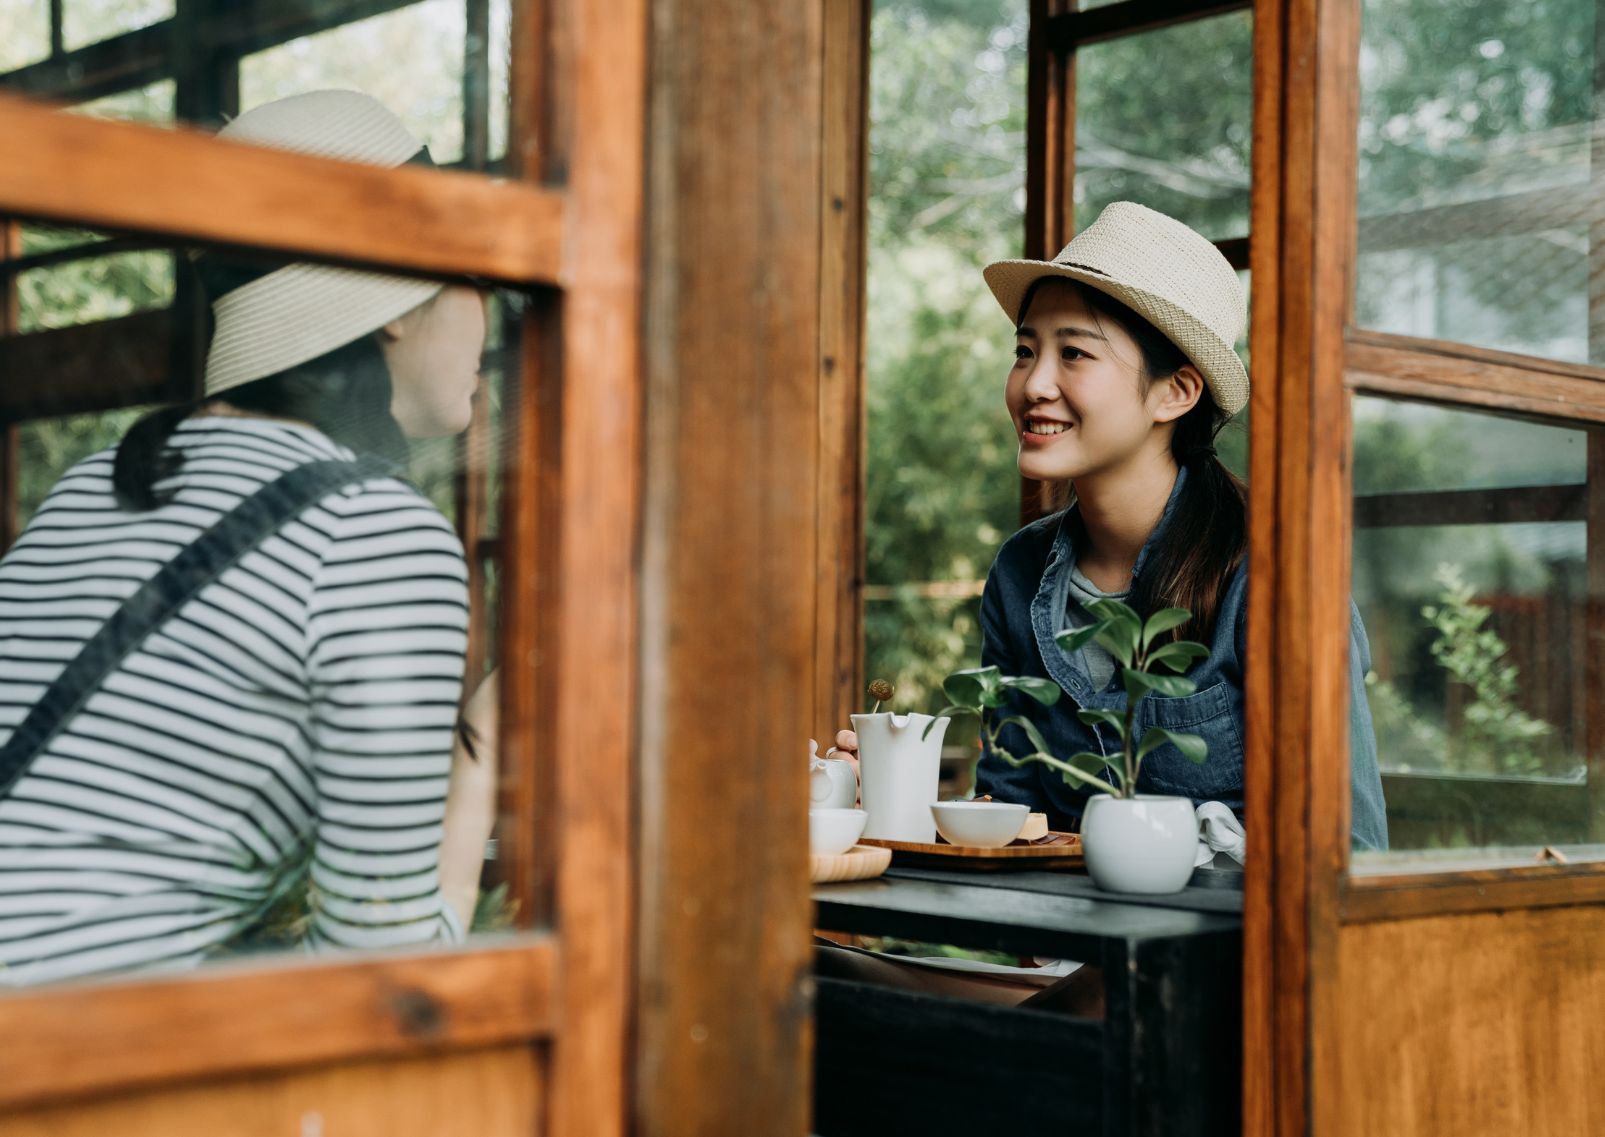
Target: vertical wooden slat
column 1593, row 691
column 57, row 40
column 476, row 84
column 1261, row 1060
column 10, row 247
column 1303, row 225
column 838, row 640
column 1050, row 168
column 730, row 561
column 597, row 58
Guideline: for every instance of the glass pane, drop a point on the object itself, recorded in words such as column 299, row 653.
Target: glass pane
column 501, row 47
column 1165, row 118
column 947, row 121
column 152, row 104
column 99, row 288
column 208, row 801
column 88, row 21
column 426, row 93
column 24, row 33
column 1476, row 138
column 1471, row 577
column 48, row 448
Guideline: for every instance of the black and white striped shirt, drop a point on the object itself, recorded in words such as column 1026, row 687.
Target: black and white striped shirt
column 298, row 711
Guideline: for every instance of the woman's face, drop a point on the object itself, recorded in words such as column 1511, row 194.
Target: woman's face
column 1079, row 400
column 433, row 353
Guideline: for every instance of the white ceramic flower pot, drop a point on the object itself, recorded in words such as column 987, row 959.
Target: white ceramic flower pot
column 1143, row 845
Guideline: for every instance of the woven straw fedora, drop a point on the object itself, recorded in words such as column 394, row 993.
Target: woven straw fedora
column 1162, row 270
column 300, row 311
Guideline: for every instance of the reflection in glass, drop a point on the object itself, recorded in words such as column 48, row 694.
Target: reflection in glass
column 288, row 761
column 1470, row 570
column 1477, row 179
column 1164, row 118
column 88, row 21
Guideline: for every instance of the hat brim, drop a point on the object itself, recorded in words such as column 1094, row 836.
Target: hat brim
column 1216, row 360
column 298, row 313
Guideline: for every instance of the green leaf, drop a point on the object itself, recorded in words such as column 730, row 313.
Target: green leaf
column 1114, row 610
column 1161, row 622
column 1139, row 683
column 1072, row 640
column 1044, row 691
column 1120, row 632
column 1178, row 656
column 1031, row 731
column 971, row 687
column 1192, row 746
column 1114, row 719
column 1088, row 768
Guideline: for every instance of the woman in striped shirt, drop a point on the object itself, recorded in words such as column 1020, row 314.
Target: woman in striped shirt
column 291, row 725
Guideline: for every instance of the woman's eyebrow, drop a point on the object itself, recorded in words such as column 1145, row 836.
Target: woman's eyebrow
column 1081, row 333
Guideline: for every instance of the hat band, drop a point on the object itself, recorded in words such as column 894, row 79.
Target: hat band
column 220, row 274
column 1084, row 268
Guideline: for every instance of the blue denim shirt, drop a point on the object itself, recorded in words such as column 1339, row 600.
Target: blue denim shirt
column 1023, row 608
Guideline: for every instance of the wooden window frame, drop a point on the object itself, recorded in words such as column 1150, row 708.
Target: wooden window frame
column 571, row 230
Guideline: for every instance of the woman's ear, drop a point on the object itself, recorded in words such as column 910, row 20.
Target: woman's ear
column 1175, row 396
column 394, row 330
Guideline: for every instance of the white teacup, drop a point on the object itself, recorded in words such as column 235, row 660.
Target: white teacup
column 979, row 824
column 832, row 831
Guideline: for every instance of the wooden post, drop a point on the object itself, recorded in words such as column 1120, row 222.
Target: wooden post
column 10, row 248
column 838, row 641
column 1050, row 168
column 1594, row 603
column 1296, row 709
column 731, row 562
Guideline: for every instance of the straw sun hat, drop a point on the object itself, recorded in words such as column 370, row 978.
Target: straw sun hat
column 271, row 321
column 1162, row 270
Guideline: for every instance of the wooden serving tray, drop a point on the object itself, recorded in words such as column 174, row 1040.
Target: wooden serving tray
column 1055, row 851
column 858, row 863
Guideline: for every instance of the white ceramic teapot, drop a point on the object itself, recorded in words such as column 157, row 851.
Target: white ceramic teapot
column 831, row 781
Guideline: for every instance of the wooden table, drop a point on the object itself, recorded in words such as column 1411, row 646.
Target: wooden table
column 1165, row 1061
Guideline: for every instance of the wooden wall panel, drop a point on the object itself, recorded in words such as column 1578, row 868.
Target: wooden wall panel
column 730, row 565
column 1480, row 1024
column 487, row 1093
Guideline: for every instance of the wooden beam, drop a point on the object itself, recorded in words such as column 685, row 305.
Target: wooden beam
column 91, row 367
column 129, row 61
column 1074, row 28
column 193, row 187
column 1444, row 889
column 1513, row 506
column 1410, row 368
column 61, row 1043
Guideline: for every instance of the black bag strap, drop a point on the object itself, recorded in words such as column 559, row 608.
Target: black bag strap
column 236, row 533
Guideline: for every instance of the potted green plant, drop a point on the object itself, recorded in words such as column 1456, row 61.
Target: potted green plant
column 1134, row 842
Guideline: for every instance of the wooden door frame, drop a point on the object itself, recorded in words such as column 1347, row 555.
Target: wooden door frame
column 572, row 232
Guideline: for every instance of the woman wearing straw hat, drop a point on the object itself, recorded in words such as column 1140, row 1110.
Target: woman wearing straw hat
column 231, row 649
column 1124, row 373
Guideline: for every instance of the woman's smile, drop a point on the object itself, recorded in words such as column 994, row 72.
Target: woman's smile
column 1038, row 431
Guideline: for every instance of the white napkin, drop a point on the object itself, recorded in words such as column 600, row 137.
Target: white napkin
column 1219, row 831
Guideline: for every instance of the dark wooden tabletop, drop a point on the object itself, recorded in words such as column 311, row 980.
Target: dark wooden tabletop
column 1030, row 913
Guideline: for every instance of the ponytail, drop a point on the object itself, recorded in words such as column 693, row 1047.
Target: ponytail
column 345, row 394
column 1205, row 536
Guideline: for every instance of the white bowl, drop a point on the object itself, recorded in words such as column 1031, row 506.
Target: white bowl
column 832, row 831
column 979, row 824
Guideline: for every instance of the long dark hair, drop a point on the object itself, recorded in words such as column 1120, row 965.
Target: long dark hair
column 1206, row 536
column 344, row 393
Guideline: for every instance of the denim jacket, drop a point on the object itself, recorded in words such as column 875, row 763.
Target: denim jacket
column 1024, row 607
